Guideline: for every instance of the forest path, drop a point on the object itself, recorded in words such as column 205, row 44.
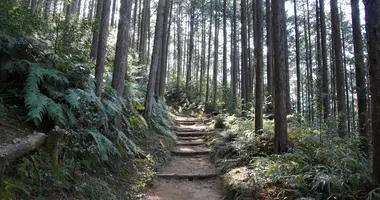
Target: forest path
column 189, row 174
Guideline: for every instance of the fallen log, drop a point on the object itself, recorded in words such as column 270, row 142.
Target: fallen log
column 20, row 147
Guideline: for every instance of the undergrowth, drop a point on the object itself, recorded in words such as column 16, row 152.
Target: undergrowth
column 333, row 168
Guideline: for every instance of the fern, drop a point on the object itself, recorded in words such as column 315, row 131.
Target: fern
column 127, row 143
column 38, row 103
column 104, row 146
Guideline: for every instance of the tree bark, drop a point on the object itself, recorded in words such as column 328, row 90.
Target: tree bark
column 122, row 47
column 325, row 80
column 372, row 17
column 234, row 65
column 216, row 53
column 259, row 67
column 279, row 34
column 144, row 32
column 102, row 46
column 155, row 59
column 33, row 6
column 244, row 53
column 209, row 55
column 297, row 59
column 179, row 47
column 113, row 21
column 203, row 57
column 165, row 46
column 47, row 9
column 269, row 51
column 339, row 73
column 95, row 35
column 225, row 50
column 191, row 46
column 360, row 76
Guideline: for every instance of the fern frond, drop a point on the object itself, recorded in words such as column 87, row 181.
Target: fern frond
column 104, row 146
column 72, row 97
column 127, row 143
column 55, row 112
column 36, row 104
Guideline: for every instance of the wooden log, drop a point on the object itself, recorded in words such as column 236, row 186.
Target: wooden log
column 19, row 147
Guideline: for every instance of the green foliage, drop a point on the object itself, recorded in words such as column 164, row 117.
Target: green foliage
column 103, row 146
column 334, row 168
column 16, row 21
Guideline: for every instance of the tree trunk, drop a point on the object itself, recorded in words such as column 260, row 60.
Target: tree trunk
column 234, row 74
column 325, row 81
column 259, row 67
column 209, row 56
column 297, row 59
column 216, row 53
column 360, row 76
column 225, row 50
column 95, row 35
column 372, row 17
column 203, row 57
column 122, row 47
column 113, row 21
column 79, row 7
column 67, row 25
column 342, row 115
column 103, row 37
column 244, row 53
column 33, row 6
column 179, row 47
column 47, row 9
column 91, row 11
column 144, row 32
column 155, row 59
column 165, row 46
column 191, row 45
column 279, row 34
column 269, row 51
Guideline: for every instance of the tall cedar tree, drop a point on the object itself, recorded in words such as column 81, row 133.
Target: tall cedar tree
column 179, row 46
column 360, row 75
column 297, row 59
column 203, row 57
column 165, row 47
column 372, row 18
column 191, row 45
column 145, row 22
column 95, row 34
column 234, row 65
column 339, row 73
column 122, row 46
column 279, row 34
column 269, row 50
column 225, row 50
column 155, row 61
column 244, row 55
column 103, row 37
column 209, row 55
column 216, row 53
column 325, row 74
column 259, row 67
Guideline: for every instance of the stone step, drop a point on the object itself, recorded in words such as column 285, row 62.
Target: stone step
column 198, row 138
column 190, row 153
column 190, row 143
column 189, row 129
column 193, row 134
column 188, row 176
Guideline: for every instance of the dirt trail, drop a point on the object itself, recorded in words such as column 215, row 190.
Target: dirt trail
column 189, row 175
